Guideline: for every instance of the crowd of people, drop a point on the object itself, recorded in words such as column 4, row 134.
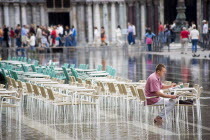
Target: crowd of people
column 40, row 36
column 43, row 36
column 189, row 33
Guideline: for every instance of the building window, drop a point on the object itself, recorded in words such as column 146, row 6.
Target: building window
column 66, row 3
column 58, row 3
column 50, row 4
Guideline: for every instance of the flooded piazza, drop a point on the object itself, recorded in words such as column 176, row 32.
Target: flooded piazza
column 104, row 121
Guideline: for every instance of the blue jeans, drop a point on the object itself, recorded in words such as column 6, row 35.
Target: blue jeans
column 1, row 39
column 194, row 45
column 32, row 48
column 130, row 38
column 149, row 47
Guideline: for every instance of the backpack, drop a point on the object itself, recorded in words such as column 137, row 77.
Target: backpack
column 149, row 40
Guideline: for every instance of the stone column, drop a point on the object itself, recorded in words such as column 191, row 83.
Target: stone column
column 73, row 13
column 42, row 14
column 90, row 22
column 17, row 13
column 161, row 9
column 106, row 20
column 23, row 14
column 150, row 14
column 138, row 18
column 205, row 9
column 156, row 16
column 6, row 14
column 130, row 12
column 34, row 14
column 199, row 16
column 97, row 22
column 143, row 18
column 113, row 21
column 1, row 15
column 81, row 25
column 122, row 11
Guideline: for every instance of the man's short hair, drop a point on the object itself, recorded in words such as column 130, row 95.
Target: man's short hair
column 159, row 67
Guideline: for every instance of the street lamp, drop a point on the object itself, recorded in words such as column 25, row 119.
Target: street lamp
column 180, row 18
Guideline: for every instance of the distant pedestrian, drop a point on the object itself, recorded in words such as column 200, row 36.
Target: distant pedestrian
column 184, row 36
column 103, row 36
column 149, row 39
column 119, row 35
column 205, row 34
column 96, row 37
column 130, row 34
column 194, row 35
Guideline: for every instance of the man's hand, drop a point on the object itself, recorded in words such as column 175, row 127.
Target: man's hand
column 174, row 96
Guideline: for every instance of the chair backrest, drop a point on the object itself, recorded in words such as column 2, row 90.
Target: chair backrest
column 113, row 88
column 141, row 96
column 14, row 84
column 66, row 65
column 133, row 91
column 199, row 92
column 29, row 88
column 14, row 75
column 74, row 73
column 33, row 68
column 142, row 81
column 36, row 90
column 9, row 81
column 120, row 88
column 72, row 65
column 20, row 84
column 50, row 94
column 24, row 59
column 196, row 86
column 3, row 72
column 124, row 89
column 99, row 68
column 88, row 82
column 66, row 73
column 29, row 61
column 97, row 90
column 2, row 86
column 36, row 63
column 113, row 72
column 79, row 80
column 20, row 92
column 43, row 92
column 102, row 86
column 109, row 87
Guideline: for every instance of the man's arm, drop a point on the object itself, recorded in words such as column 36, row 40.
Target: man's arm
column 160, row 94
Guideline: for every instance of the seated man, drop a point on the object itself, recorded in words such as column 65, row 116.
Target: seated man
column 153, row 87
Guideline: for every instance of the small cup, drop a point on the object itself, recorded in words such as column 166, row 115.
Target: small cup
column 181, row 86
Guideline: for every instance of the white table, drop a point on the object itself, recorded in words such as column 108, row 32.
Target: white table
column 183, row 89
column 65, row 86
column 85, row 70
column 99, row 74
column 38, row 76
column 96, row 72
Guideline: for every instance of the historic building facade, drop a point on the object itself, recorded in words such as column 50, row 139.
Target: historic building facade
column 86, row 14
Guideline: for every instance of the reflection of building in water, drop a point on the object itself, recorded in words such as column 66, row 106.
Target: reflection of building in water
column 85, row 14
column 195, row 71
